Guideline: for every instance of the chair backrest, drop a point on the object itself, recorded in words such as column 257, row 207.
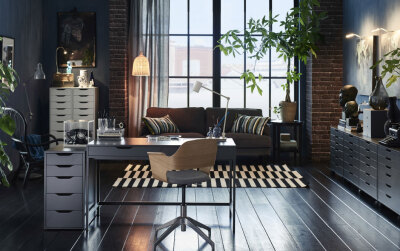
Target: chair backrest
column 20, row 132
column 199, row 153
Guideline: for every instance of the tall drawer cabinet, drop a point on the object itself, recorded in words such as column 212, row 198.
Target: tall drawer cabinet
column 373, row 168
column 64, row 188
column 71, row 103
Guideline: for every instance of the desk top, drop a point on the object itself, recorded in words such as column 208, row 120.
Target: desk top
column 280, row 122
column 145, row 142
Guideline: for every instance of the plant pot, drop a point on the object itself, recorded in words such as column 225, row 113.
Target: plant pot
column 288, row 111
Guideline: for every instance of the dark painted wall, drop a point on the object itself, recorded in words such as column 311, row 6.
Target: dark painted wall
column 361, row 17
column 101, row 72
column 22, row 20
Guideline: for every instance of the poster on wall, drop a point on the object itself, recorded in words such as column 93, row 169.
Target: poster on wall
column 389, row 42
column 7, row 51
column 77, row 36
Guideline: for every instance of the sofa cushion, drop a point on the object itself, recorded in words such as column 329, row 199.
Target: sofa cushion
column 213, row 113
column 245, row 140
column 187, row 119
column 250, row 124
column 186, row 134
column 160, row 125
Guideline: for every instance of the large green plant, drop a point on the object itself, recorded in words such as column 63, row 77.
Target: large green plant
column 300, row 31
column 391, row 66
column 8, row 83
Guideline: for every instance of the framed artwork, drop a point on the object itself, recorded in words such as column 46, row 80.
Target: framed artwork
column 7, row 51
column 77, row 37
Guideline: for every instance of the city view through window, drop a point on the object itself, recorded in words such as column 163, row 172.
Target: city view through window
column 191, row 55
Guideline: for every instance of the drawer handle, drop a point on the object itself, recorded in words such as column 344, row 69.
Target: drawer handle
column 64, row 154
column 389, row 186
column 61, row 95
column 83, row 95
column 387, row 195
column 64, row 177
column 83, row 102
column 64, row 194
column 368, row 174
column 64, row 211
column 61, row 115
column 367, row 183
column 388, row 175
column 64, row 166
column 60, row 109
column 388, row 167
column 351, row 173
column 83, row 89
column 60, row 121
column 368, row 157
column 388, row 158
column 124, row 147
column 388, row 150
column 60, row 102
column 83, row 109
column 60, row 89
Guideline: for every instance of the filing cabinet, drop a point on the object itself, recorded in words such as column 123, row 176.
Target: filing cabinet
column 64, row 188
column 373, row 168
column 71, row 103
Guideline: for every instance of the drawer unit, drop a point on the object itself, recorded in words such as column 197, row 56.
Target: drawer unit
column 64, row 188
column 373, row 168
column 71, row 103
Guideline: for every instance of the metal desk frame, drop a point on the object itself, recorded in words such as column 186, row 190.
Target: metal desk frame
column 136, row 149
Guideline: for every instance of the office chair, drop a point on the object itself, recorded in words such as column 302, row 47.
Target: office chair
column 180, row 169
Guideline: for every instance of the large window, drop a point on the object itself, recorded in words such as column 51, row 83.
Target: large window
column 195, row 27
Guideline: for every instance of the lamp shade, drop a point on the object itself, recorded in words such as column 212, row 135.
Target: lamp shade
column 197, row 86
column 39, row 73
column 141, row 66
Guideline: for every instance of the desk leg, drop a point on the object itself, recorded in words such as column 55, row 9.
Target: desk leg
column 273, row 143
column 87, row 194
column 97, row 188
column 234, row 194
column 300, row 144
column 278, row 142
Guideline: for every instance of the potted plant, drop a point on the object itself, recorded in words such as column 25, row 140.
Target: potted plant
column 8, row 83
column 391, row 65
column 301, row 31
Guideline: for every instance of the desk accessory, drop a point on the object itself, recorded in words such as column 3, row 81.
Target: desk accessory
column 393, row 139
column 78, row 133
column 374, row 121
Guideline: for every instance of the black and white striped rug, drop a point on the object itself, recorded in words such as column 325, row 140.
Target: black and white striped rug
column 268, row 176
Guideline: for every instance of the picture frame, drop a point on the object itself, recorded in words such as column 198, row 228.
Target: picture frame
column 76, row 32
column 7, row 53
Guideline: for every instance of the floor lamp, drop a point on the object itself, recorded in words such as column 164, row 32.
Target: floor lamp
column 196, row 88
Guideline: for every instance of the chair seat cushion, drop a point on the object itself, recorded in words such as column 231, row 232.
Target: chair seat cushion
column 186, row 177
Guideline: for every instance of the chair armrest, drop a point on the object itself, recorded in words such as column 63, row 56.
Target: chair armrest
column 159, row 164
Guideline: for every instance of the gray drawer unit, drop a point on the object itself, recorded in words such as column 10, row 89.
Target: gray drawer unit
column 373, row 168
column 64, row 188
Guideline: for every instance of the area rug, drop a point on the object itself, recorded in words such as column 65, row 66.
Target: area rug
column 267, row 176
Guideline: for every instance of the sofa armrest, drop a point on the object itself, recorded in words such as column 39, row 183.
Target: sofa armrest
column 267, row 130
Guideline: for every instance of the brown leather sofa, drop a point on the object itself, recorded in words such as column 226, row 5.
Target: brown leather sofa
column 194, row 122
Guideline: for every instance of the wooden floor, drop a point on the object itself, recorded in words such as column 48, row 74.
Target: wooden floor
column 330, row 215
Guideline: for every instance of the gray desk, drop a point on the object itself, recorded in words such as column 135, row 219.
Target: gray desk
column 136, row 149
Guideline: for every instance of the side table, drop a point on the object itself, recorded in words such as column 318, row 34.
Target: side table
column 276, row 126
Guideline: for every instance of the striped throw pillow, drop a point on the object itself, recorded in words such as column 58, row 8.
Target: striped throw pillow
column 160, row 125
column 250, row 124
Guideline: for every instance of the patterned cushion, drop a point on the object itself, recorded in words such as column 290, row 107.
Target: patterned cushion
column 250, row 124
column 160, row 125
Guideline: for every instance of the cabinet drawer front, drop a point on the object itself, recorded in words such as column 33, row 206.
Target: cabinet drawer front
column 57, row 126
column 79, row 98
column 84, row 111
column 367, row 155
column 83, row 116
column 368, row 169
column 394, row 171
column 60, row 104
column 369, row 146
column 84, row 91
column 368, row 188
column 366, row 176
column 388, row 157
column 60, row 111
column 60, row 91
column 64, row 158
column 351, row 176
column 60, row 97
column 64, row 202
column 64, row 170
column 60, row 117
column 64, row 219
column 64, row 185
column 389, row 200
column 84, row 104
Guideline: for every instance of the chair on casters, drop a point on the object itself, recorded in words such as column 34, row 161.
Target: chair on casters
column 179, row 169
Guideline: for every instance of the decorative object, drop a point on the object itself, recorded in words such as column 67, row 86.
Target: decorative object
column 38, row 75
column 393, row 114
column 210, row 132
column 8, row 83
column 196, row 88
column 379, row 96
column 7, row 51
column 374, row 122
column 69, row 67
column 250, row 124
column 160, row 125
column 347, row 93
column 272, row 176
column 359, row 127
column 78, row 132
column 91, row 81
column 63, row 80
column 77, row 34
column 296, row 38
column 217, row 132
column 83, row 79
column 351, row 111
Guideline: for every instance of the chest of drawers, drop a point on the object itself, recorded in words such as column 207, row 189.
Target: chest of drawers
column 71, row 103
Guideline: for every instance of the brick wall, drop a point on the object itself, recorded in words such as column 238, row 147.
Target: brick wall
column 324, row 80
column 118, row 40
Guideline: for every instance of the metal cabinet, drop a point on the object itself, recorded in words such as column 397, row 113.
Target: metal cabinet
column 64, row 188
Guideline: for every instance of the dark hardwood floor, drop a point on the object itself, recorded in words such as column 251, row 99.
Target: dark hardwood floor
column 330, row 215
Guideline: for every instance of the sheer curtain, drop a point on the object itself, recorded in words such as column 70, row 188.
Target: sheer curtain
column 148, row 32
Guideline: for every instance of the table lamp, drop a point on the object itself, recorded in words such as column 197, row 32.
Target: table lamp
column 196, row 88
